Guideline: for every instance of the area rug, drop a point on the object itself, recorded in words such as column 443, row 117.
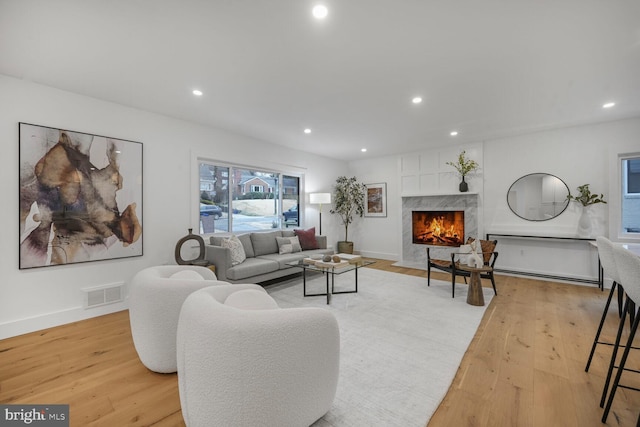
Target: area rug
column 401, row 343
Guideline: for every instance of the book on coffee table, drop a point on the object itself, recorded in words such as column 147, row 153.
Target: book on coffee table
column 331, row 264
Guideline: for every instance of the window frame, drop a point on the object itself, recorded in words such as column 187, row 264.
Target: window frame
column 281, row 172
column 618, row 226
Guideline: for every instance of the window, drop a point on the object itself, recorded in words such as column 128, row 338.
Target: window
column 630, row 194
column 632, row 176
column 214, row 198
column 239, row 199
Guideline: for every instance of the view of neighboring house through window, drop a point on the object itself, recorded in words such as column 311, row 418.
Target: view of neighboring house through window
column 240, row 199
column 631, row 194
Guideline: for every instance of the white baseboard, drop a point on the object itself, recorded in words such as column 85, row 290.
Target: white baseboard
column 378, row 255
column 50, row 320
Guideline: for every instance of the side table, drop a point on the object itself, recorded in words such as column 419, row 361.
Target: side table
column 474, row 296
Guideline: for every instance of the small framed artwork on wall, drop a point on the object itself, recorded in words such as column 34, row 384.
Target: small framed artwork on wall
column 376, row 200
column 80, row 197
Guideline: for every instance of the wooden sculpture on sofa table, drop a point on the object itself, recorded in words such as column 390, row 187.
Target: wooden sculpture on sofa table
column 489, row 256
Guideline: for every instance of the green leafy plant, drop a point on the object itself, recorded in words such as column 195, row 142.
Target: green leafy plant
column 348, row 201
column 464, row 166
column 585, row 197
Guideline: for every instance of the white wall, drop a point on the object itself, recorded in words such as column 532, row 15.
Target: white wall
column 378, row 237
column 44, row 297
column 577, row 155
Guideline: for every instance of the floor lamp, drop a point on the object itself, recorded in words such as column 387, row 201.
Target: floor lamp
column 319, row 199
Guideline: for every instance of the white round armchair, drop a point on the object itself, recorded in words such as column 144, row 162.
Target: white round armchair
column 155, row 299
column 242, row 361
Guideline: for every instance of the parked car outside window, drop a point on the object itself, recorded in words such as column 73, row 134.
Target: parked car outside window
column 206, row 210
column 291, row 214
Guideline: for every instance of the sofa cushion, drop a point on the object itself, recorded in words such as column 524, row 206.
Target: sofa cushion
column 217, row 240
column 244, row 238
column 246, row 244
column 284, row 259
column 307, row 238
column 288, row 233
column 252, row 267
column 251, row 299
column 265, row 243
column 237, row 250
column 288, row 245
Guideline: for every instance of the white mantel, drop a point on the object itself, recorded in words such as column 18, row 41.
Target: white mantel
column 424, row 194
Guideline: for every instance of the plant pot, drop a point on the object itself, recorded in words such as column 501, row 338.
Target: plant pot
column 345, row 247
column 585, row 225
column 464, row 187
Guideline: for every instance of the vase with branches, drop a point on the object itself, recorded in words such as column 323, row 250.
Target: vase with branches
column 349, row 197
column 464, row 166
column 586, row 199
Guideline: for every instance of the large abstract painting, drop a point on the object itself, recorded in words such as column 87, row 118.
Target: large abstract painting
column 80, row 197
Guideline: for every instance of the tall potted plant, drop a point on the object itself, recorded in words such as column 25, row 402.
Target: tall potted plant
column 348, row 201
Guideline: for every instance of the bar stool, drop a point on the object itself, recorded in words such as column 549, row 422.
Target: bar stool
column 607, row 260
column 629, row 270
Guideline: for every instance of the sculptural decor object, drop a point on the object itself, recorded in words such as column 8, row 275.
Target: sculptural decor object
column 199, row 259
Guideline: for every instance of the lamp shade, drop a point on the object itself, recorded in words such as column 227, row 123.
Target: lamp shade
column 320, row 198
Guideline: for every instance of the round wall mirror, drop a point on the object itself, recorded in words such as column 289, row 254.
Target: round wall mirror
column 538, row 197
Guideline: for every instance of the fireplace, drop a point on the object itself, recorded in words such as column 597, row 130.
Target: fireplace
column 438, row 227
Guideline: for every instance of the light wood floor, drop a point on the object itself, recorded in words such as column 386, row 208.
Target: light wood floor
column 525, row 366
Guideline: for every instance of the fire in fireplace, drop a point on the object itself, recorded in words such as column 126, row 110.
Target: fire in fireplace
column 441, row 228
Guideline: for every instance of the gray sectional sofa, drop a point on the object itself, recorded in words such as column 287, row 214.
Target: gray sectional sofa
column 263, row 261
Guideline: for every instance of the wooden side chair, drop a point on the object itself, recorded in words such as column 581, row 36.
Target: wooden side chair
column 489, row 256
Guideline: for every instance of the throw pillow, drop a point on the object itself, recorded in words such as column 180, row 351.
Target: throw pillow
column 237, row 250
column 251, row 299
column 288, row 245
column 307, row 238
column 186, row 275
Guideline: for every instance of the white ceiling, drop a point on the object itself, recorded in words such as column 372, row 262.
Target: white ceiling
column 268, row 69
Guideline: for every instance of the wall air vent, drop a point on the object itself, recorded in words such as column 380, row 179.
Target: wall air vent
column 103, row 295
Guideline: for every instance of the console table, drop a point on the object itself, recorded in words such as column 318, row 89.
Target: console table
column 590, row 241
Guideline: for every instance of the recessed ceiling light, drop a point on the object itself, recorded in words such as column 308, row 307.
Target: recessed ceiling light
column 320, row 11
column 364, row 150
column 197, row 92
column 416, row 100
column 609, row 105
column 454, row 133
column 307, row 130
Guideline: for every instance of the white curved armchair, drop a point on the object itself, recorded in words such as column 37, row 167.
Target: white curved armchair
column 258, row 365
column 155, row 300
